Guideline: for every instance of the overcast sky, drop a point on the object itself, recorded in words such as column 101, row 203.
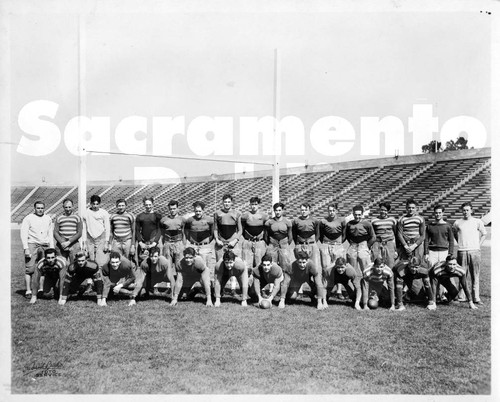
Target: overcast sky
column 219, row 62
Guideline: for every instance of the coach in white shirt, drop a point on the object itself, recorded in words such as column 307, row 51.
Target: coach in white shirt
column 37, row 234
column 470, row 234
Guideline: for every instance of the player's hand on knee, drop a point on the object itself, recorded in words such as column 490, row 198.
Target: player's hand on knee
column 217, row 302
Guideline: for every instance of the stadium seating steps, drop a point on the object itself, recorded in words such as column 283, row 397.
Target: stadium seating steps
column 424, row 181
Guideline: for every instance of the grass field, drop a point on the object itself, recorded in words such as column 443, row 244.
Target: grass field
column 191, row 349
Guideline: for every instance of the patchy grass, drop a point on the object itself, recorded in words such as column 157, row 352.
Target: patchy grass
column 192, row 349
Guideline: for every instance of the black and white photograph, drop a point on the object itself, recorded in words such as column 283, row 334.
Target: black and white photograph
column 171, row 169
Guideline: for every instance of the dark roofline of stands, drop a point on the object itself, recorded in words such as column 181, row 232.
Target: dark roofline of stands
column 327, row 167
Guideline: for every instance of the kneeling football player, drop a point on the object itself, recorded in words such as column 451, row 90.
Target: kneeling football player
column 50, row 270
column 190, row 270
column 303, row 270
column 343, row 273
column 267, row 273
column 157, row 270
column 121, row 275
column 229, row 266
column 443, row 273
column 374, row 278
column 405, row 273
column 78, row 272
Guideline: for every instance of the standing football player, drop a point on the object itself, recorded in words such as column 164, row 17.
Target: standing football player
column 37, row 235
column 411, row 232
column 305, row 232
column 279, row 236
column 360, row 235
column 122, row 224
column 68, row 231
column 172, row 230
column 98, row 229
column 253, row 226
column 385, row 230
column 147, row 229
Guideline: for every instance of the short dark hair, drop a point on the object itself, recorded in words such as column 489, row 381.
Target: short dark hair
column 333, row 205
column 66, row 200
column 266, row 257
column 358, row 208
column 386, row 205
column 49, row 250
column 79, row 254
column 226, row 196
column 148, row 199
column 411, row 201
column 173, row 202
column 115, row 254
column 340, row 261
column 302, row 255
column 255, row 199
column 119, row 200
column 439, row 206
column 466, row 204
column 38, row 202
column 378, row 261
column 305, row 204
column 229, row 255
column 95, row 198
column 278, row 205
column 190, row 251
column 198, row 204
column 450, row 257
column 153, row 250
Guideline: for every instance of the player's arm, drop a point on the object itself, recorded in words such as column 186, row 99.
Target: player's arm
column 57, row 236
column 277, row 286
column 290, row 234
column 401, row 235
column 390, row 286
column 265, row 234
column 482, row 233
column 316, row 230
column 157, row 232
column 451, row 241
column 371, row 233
column 183, row 232
column 344, row 235
column 236, row 237
column 107, row 231
column 455, row 230
column 465, row 287
column 294, row 232
column 216, row 231
column 421, row 230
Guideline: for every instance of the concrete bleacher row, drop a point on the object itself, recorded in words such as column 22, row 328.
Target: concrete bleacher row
column 448, row 179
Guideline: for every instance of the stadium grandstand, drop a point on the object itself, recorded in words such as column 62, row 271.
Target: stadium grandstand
column 450, row 178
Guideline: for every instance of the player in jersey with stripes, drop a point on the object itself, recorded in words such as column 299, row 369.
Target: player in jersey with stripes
column 411, row 232
column 331, row 237
column 122, row 224
column 443, row 272
column 198, row 231
column 227, row 228
column 378, row 279
column 172, row 230
column 98, row 229
column 253, row 226
column 52, row 268
column 360, row 235
column 385, row 228
column 268, row 274
column 305, row 231
column 190, row 270
column 67, row 231
column 147, row 229
column 303, row 270
column 279, row 237
column 76, row 274
column 231, row 266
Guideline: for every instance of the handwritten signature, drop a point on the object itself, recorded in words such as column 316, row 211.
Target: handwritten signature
column 47, row 369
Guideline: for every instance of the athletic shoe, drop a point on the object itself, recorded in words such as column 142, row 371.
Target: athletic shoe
column 479, row 303
column 431, row 306
column 401, row 308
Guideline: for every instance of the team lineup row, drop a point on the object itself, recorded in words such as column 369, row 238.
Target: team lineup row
column 383, row 255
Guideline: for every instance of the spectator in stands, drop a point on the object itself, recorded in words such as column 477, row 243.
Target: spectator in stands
column 279, row 237
column 253, row 226
column 470, row 234
column 198, row 231
column 68, row 231
column 331, row 237
column 122, row 225
column 411, row 232
column 360, row 235
column 147, row 229
column 98, row 229
column 305, row 232
column 37, row 235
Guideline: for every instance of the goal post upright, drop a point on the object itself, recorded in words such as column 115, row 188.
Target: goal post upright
column 276, row 142
column 82, row 158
